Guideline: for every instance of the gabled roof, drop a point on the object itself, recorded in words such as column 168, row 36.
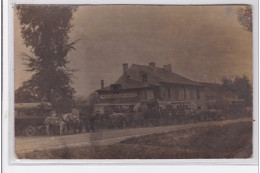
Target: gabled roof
column 155, row 76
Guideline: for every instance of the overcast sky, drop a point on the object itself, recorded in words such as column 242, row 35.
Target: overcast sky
column 203, row 43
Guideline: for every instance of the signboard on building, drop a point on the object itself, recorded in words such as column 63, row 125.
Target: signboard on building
column 120, row 95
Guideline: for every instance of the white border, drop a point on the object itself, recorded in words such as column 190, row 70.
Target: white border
column 8, row 85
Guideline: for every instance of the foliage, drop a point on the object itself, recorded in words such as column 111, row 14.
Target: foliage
column 45, row 31
column 26, row 93
column 245, row 17
column 240, row 86
column 226, row 82
column 243, row 89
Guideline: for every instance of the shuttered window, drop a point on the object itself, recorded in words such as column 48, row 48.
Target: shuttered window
column 198, row 93
column 191, row 93
column 176, row 93
column 184, row 93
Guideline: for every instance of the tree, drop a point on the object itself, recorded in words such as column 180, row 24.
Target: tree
column 240, row 86
column 27, row 93
column 245, row 17
column 45, row 30
column 226, row 83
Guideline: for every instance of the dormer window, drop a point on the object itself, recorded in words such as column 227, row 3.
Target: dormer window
column 144, row 78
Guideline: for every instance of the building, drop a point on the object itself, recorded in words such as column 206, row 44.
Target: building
column 140, row 84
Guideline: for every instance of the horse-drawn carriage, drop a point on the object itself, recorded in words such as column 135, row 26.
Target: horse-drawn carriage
column 29, row 117
column 68, row 123
column 37, row 119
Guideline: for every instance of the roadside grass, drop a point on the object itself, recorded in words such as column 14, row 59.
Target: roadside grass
column 225, row 141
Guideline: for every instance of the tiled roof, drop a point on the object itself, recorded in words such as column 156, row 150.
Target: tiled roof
column 155, row 76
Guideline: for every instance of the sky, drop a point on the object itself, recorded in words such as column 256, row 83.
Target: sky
column 202, row 43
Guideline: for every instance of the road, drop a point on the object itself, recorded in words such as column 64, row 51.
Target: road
column 103, row 137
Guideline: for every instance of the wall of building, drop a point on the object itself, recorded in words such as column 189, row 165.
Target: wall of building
column 193, row 94
column 147, row 95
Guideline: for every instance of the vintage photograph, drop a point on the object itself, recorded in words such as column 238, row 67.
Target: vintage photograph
column 133, row 81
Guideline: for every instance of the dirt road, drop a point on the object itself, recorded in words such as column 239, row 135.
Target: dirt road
column 103, row 137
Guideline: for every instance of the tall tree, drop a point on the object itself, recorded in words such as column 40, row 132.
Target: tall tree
column 241, row 86
column 45, row 30
column 226, row 83
column 243, row 89
column 245, row 17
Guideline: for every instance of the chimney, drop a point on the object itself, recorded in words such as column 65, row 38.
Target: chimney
column 125, row 68
column 102, row 84
column 152, row 64
column 168, row 67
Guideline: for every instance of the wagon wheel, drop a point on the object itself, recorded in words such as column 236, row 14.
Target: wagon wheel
column 30, row 131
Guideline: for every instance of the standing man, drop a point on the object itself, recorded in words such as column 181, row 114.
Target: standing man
column 92, row 119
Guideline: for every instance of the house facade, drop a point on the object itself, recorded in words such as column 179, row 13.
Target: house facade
column 144, row 84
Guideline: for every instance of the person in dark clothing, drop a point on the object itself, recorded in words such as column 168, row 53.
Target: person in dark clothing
column 92, row 119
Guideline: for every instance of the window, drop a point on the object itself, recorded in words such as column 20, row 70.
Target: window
column 144, row 78
column 176, row 94
column 198, row 93
column 184, row 90
column 191, row 93
column 169, row 92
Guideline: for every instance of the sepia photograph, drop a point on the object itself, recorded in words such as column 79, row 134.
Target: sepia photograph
column 133, row 81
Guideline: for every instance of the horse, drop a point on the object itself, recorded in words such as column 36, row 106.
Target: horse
column 73, row 122
column 64, row 123
column 118, row 120
column 55, row 123
column 135, row 119
column 152, row 116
